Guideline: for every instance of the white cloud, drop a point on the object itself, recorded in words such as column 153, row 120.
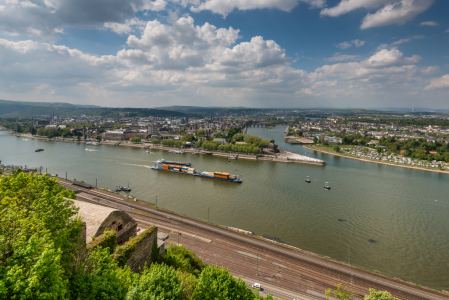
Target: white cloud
column 127, row 27
column 41, row 19
column 342, row 57
column 396, row 13
column 428, row 23
column 358, row 43
column 429, row 70
column 388, row 58
column 436, row 83
column 346, row 45
column 201, row 65
column 392, row 12
column 224, row 7
column 346, row 6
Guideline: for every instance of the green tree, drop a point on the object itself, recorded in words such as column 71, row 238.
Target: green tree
column 18, row 128
column 379, row 295
column 98, row 137
column 33, row 130
column 339, row 293
column 155, row 142
column 159, row 282
column 135, row 139
column 379, row 150
column 336, row 148
column 238, row 137
column 218, row 283
column 315, row 140
column 41, row 131
column 36, row 246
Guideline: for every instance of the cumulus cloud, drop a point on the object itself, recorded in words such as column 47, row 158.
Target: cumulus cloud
column 204, row 65
column 42, row 19
column 224, row 7
column 437, row 83
column 392, row 12
column 428, row 23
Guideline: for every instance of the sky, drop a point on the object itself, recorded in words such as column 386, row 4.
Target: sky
column 252, row 53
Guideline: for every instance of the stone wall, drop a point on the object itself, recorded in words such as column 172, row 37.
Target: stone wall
column 144, row 250
column 121, row 222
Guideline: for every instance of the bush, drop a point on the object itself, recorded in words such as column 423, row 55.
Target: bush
column 182, row 259
column 107, row 240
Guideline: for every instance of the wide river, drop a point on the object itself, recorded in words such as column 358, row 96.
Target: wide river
column 377, row 217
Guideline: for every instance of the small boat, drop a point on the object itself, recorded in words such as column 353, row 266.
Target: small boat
column 92, row 143
column 39, row 150
column 122, row 188
column 175, row 151
column 308, row 179
column 326, row 186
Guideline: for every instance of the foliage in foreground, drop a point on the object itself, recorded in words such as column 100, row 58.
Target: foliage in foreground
column 43, row 257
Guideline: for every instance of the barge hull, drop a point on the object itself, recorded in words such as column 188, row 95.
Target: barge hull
column 196, row 174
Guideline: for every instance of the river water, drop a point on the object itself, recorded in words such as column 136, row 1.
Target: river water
column 377, row 217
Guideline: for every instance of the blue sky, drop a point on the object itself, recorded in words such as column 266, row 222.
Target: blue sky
column 256, row 53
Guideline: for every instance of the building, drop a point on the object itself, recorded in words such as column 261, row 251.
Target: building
column 100, row 218
column 220, row 140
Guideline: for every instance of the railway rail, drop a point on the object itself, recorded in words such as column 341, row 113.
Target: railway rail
column 305, row 271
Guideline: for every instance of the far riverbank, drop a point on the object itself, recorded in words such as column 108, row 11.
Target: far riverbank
column 314, row 148
column 277, row 158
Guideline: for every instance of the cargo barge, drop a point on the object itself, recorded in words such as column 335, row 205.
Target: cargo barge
column 192, row 171
column 167, row 162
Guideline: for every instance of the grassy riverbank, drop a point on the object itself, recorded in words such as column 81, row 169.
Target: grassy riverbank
column 330, row 150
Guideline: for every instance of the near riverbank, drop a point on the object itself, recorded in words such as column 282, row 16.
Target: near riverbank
column 327, row 151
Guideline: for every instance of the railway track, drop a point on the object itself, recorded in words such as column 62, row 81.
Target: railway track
column 318, row 272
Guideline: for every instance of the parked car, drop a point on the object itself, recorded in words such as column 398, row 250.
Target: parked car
column 255, row 286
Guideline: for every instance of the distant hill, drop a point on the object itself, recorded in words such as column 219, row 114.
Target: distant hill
column 21, row 108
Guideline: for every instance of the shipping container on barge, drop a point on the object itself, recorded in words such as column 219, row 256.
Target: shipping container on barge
column 192, row 171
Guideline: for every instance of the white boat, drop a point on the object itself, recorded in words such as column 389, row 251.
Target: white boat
column 175, row 152
column 92, row 143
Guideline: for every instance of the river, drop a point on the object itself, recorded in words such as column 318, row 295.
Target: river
column 377, row 217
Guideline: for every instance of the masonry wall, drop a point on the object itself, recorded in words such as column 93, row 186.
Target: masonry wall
column 143, row 251
column 117, row 220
